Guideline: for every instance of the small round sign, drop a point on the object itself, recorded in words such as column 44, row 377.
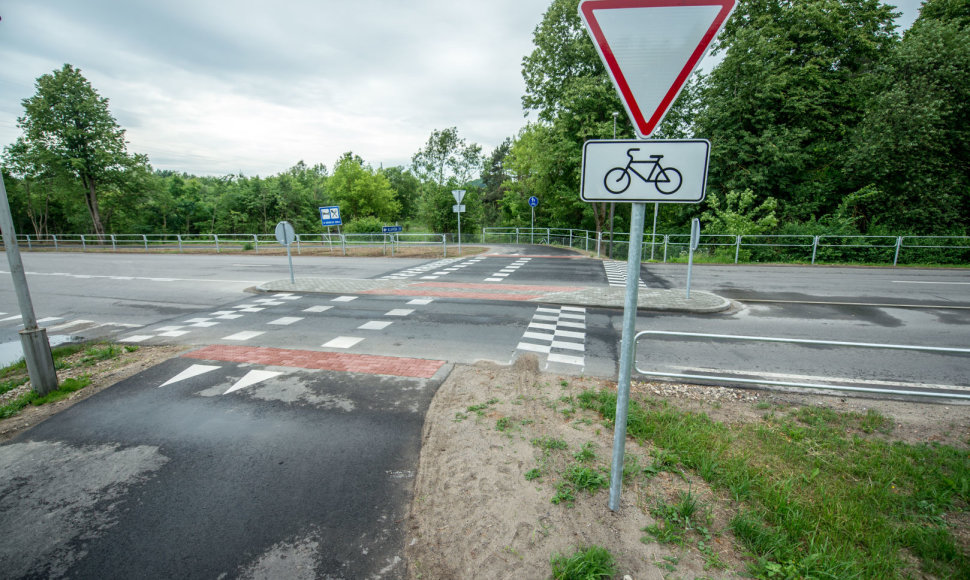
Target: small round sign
column 534, row 201
column 285, row 234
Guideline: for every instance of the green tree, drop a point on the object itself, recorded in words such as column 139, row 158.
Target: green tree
column 494, row 177
column 780, row 108
column 911, row 156
column 360, row 191
column 447, row 162
column 67, row 125
column 407, row 188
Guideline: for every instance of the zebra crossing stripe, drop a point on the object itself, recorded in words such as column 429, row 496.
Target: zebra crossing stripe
column 547, row 333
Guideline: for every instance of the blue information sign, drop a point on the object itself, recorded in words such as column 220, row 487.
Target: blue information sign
column 392, row 229
column 330, row 216
column 534, row 201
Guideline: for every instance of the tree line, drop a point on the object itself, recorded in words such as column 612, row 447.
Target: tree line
column 823, row 118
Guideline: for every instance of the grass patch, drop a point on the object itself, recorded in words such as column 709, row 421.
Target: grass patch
column 816, row 499
column 64, row 391
column 590, row 563
column 586, row 478
column 15, row 375
column 550, row 443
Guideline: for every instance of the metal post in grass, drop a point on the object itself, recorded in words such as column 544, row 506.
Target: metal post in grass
column 627, row 350
column 33, row 340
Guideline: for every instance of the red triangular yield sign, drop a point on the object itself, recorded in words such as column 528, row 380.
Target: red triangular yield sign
column 650, row 48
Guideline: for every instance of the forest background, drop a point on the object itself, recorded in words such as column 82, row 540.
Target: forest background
column 823, row 119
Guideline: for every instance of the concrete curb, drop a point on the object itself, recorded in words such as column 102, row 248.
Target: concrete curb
column 607, row 297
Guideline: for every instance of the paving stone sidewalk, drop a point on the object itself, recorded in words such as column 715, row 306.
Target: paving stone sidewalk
column 605, row 296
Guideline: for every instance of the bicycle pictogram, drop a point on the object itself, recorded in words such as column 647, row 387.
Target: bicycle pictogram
column 667, row 180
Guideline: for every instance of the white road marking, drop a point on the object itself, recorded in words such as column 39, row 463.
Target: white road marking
column 343, row 342
column 251, row 378
column 565, row 358
column 344, row 298
column 230, row 316
column 70, row 324
column 286, row 320
column 317, row 309
column 930, row 282
column 175, row 333
column 244, row 335
column 375, row 325
column 421, row 301
column 543, row 348
column 204, row 324
column 192, row 371
column 399, row 312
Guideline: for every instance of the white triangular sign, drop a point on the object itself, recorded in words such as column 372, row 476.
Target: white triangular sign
column 650, row 48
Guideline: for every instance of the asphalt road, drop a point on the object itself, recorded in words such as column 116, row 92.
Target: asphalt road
column 284, row 441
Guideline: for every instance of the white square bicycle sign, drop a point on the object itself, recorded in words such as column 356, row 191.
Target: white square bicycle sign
column 664, row 171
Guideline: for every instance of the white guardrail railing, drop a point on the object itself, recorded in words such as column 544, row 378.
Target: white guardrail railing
column 946, row 394
column 666, row 247
column 809, row 248
column 226, row 242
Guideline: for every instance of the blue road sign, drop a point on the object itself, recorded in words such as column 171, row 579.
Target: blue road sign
column 534, row 201
column 330, row 216
column 392, row 229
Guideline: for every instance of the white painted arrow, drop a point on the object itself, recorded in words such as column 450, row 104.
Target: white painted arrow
column 192, row 371
column 251, row 378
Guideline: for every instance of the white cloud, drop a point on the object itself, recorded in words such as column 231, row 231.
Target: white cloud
column 219, row 86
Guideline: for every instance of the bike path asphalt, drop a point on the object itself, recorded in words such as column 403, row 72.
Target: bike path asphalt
column 205, row 467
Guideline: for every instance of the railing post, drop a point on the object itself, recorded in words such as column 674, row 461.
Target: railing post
column 599, row 242
column 899, row 244
column 84, row 246
column 216, row 236
column 179, row 236
column 549, row 236
column 444, row 247
column 343, row 243
column 114, row 245
column 29, row 247
column 55, row 241
column 145, row 239
column 737, row 250
column 666, row 239
column 814, row 248
column 298, row 252
column 256, row 242
column 516, row 235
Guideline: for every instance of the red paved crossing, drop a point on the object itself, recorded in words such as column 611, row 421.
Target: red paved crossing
column 331, row 361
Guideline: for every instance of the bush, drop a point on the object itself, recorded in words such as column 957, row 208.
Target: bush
column 364, row 225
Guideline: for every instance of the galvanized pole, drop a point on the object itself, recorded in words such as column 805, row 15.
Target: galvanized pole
column 627, row 350
column 37, row 349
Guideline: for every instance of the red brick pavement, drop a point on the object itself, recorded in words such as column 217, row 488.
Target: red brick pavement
column 331, row 361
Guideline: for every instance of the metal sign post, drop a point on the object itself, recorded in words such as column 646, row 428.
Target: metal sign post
column 33, row 340
column 695, row 240
column 627, row 351
column 649, row 49
column 533, row 203
column 458, row 194
column 285, row 234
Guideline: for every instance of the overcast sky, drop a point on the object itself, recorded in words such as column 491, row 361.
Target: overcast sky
column 211, row 87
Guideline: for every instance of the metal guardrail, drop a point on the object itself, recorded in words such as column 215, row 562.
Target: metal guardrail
column 729, row 379
column 224, row 242
column 811, row 247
